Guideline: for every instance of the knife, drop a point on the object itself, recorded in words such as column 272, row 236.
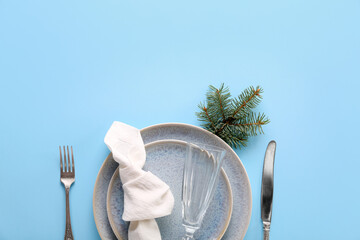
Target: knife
column 267, row 187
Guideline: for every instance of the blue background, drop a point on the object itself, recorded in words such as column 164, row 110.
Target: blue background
column 68, row 69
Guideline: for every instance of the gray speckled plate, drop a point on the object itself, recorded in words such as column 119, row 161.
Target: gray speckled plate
column 165, row 159
column 235, row 171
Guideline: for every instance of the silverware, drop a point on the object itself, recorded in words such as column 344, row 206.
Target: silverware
column 67, row 177
column 267, row 187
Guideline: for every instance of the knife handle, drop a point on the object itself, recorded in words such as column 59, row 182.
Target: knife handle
column 266, row 231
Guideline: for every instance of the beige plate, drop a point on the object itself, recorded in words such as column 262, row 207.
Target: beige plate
column 241, row 190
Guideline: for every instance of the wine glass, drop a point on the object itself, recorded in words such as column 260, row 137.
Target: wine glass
column 201, row 171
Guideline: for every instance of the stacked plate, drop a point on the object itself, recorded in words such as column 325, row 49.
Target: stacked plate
column 229, row 213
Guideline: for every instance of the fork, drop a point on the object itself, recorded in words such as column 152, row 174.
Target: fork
column 67, row 177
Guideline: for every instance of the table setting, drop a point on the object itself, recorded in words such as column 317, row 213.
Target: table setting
column 176, row 180
column 161, row 120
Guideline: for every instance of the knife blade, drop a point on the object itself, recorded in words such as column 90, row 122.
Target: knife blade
column 267, row 187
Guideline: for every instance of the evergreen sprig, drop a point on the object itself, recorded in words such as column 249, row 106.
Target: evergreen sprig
column 232, row 119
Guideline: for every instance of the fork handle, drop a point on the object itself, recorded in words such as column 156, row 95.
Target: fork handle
column 68, row 231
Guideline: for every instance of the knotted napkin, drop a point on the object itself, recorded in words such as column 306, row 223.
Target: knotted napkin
column 146, row 197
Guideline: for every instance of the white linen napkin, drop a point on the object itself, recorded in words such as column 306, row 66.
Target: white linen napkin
column 145, row 196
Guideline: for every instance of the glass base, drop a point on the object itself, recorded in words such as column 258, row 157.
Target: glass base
column 187, row 238
column 189, row 233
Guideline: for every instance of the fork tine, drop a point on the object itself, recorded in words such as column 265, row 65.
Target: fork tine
column 65, row 162
column 61, row 163
column 72, row 159
column 68, row 158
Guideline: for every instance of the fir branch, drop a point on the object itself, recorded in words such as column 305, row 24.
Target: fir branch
column 252, row 123
column 208, row 117
column 218, row 102
column 247, row 100
column 233, row 120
